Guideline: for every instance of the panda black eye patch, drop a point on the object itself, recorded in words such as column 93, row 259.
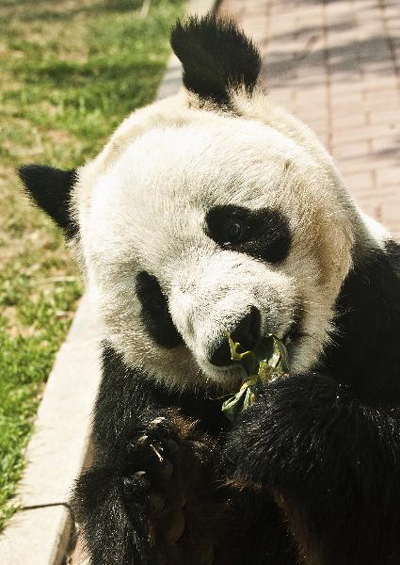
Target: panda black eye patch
column 263, row 234
column 155, row 315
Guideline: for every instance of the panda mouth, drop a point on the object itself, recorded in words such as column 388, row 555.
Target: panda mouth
column 221, row 360
column 290, row 337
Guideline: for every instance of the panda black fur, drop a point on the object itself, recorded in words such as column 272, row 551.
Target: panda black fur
column 211, row 211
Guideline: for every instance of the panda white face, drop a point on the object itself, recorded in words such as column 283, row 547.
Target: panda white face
column 209, row 226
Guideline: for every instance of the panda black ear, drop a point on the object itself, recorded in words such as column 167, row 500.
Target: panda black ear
column 216, row 57
column 50, row 189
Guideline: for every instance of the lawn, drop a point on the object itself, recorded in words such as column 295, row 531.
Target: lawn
column 70, row 70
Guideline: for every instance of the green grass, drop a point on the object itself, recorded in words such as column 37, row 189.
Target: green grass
column 70, row 71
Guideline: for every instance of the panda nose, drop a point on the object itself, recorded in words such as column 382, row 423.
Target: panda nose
column 247, row 333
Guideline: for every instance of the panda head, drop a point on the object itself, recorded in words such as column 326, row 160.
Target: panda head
column 209, row 212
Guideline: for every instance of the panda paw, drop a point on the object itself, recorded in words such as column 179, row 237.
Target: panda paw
column 153, row 468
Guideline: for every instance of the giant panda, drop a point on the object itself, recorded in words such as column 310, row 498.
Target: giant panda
column 216, row 211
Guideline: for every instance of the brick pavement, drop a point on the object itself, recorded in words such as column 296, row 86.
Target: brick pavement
column 336, row 64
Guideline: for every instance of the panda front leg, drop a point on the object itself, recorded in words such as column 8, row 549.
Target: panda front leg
column 150, row 464
column 332, row 464
column 148, row 505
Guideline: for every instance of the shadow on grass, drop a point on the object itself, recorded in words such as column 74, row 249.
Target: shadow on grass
column 120, row 83
column 64, row 9
column 116, row 68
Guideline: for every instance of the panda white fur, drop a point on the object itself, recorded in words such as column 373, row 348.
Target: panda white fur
column 217, row 211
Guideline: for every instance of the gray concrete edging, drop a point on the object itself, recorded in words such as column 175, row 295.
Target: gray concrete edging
column 40, row 532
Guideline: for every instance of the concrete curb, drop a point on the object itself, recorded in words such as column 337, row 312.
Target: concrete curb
column 40, row 533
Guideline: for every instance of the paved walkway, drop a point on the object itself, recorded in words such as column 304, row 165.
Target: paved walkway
column 336, row 64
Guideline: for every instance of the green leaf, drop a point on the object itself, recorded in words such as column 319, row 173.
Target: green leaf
column 268, row 360
column 233, row 407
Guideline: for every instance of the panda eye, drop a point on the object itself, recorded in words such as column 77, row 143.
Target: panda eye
column 263, row 233
column 228, row 225
column 234, row 232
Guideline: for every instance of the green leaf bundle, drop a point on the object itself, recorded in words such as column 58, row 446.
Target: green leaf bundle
column 268, row 360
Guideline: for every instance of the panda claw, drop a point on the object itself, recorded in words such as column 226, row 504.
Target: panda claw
column 160, row 420
column 157, row 454
column 153, row 471
column 131, row 483
column 142, row 441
